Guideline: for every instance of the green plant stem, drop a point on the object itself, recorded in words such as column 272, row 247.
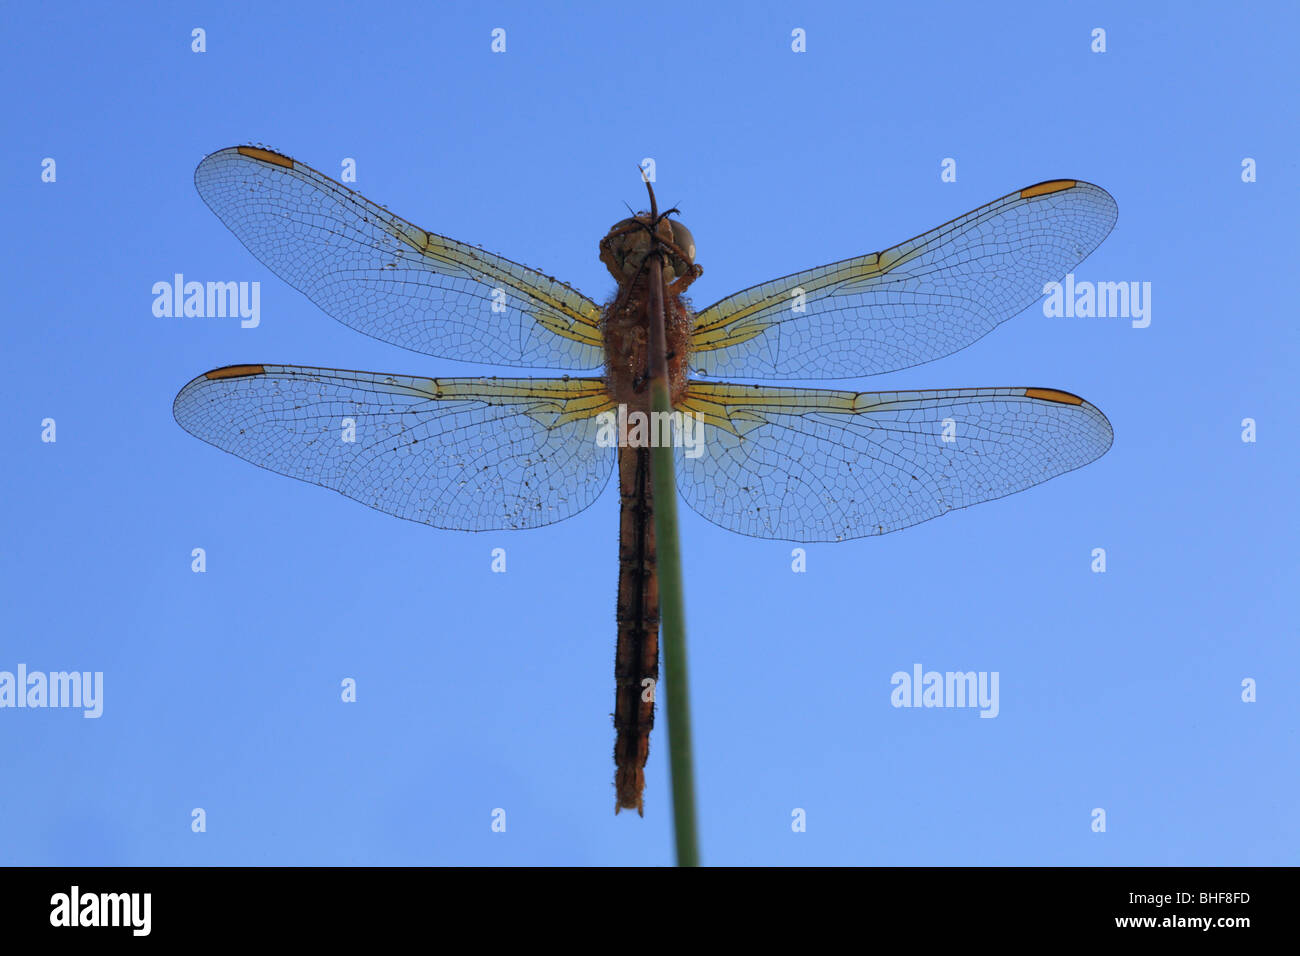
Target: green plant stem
column 671, row 606
column 673, row 616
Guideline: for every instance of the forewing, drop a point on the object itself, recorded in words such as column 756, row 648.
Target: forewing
column 821, row 465
column 919, row 301
column 383, row 276
column 473, row 454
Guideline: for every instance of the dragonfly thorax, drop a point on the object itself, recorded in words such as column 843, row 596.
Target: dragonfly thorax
column 627, row 320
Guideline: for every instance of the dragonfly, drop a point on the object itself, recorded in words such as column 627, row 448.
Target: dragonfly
column 789, row 463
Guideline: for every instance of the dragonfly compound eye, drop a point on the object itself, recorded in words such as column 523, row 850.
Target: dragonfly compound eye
column 684, row 240
column 624, row 249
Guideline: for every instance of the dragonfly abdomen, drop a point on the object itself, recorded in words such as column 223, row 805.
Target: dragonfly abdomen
column 636, row 658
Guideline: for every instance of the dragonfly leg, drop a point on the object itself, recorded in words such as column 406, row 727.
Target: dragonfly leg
column 681, row 283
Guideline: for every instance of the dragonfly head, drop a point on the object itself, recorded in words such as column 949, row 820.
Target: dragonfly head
column 629, row 243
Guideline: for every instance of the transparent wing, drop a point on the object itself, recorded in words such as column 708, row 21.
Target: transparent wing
column 919, row 301
column 382, row 276
column 473, row 454
column 820, row 465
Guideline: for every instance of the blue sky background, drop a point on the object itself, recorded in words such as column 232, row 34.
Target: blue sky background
column 479, row 690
